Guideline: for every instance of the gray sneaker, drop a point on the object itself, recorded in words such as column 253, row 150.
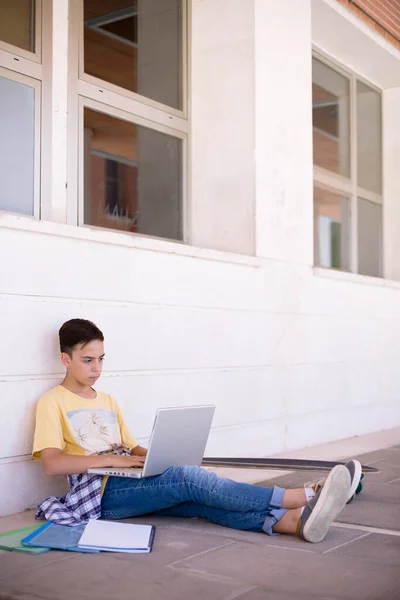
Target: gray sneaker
column 355, row 470
column 321, row 510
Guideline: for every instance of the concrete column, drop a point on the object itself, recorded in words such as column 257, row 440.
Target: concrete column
column 222, row 120
column 284, row 180
column 55, row 111
column 391, row 183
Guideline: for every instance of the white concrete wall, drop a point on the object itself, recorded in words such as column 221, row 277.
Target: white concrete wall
column 289, row 358
column 292, row 356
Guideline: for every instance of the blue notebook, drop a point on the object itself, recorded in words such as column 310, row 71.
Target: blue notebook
column 57, row 537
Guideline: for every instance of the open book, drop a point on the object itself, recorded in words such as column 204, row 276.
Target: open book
column 117, row 537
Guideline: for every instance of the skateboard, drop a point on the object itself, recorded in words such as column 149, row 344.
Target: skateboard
column 282, row 464
column 285, row 464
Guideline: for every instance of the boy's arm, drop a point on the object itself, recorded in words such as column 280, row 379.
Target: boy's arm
column 56, row 462
column 138, row 451
column 126, row 435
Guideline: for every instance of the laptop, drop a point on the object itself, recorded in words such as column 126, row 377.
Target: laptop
column 179, row 437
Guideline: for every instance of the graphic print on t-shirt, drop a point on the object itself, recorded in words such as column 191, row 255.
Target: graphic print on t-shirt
column 94, row 430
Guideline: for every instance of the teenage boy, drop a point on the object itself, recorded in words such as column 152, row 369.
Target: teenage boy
column 78, row 428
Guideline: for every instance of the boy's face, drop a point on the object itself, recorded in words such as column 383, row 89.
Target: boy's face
column 86, row 363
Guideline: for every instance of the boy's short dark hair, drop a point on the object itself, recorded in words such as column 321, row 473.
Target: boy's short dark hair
column 78, row 331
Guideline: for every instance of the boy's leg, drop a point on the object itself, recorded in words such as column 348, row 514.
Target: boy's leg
column 125, row 497
column 245, row 521
column 277, row 521
column 198, row 493
column 311, row 522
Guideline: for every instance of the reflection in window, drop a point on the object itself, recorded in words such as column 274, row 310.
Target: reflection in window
column 331, row 230
column 132, row 177
column 136, row 45
column 369, row 138
column 331, row 130
column 369, row 238
column 114, row 183
column 17, row 146
column 17, row 18
column 120, row 25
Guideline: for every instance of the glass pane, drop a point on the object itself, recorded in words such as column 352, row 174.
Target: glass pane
column 369, row 138
column 331, row 230
column 17, row 23
column 17, row 145
column 137, row 45
column 331, row 125
column 132, row 177
column 369, row 238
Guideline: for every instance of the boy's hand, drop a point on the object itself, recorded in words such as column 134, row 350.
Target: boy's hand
column 55, row 462
column 123, row 462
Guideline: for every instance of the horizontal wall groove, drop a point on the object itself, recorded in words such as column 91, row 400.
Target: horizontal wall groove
column 166, row 306
column 194, row 370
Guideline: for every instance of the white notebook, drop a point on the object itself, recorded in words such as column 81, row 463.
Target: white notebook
column 117, row 537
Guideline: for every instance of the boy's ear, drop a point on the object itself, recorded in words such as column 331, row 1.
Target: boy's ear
column 65, row 359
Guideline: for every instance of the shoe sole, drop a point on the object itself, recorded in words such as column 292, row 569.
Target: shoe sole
column 332, row 500
column 356, row 479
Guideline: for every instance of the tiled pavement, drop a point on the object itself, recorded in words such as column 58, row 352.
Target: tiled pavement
column 194, row 560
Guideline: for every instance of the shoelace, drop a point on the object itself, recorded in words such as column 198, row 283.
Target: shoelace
column 316, row 485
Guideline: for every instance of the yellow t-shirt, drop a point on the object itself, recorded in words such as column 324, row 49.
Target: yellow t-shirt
column 78, row 425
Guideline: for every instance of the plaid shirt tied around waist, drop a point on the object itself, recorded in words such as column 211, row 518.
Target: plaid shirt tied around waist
column 82, row 502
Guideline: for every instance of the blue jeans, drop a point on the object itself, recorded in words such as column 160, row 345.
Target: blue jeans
column 194, row 492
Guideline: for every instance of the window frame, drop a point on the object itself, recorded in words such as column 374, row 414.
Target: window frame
column 348, row 186
column 35, row 56
column 26, row 67
column 85, row 91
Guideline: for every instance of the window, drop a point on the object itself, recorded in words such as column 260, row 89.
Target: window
column 120, row 100
column 20, row 28
column 331, row 127
column 347, row 149
column 132, row 177
column 20, row 110
column 17, row 23
column 136, row 45
column 17, row 145
column 369, row 237
column 369, row 138
column 331, row 229
column 132, row 120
